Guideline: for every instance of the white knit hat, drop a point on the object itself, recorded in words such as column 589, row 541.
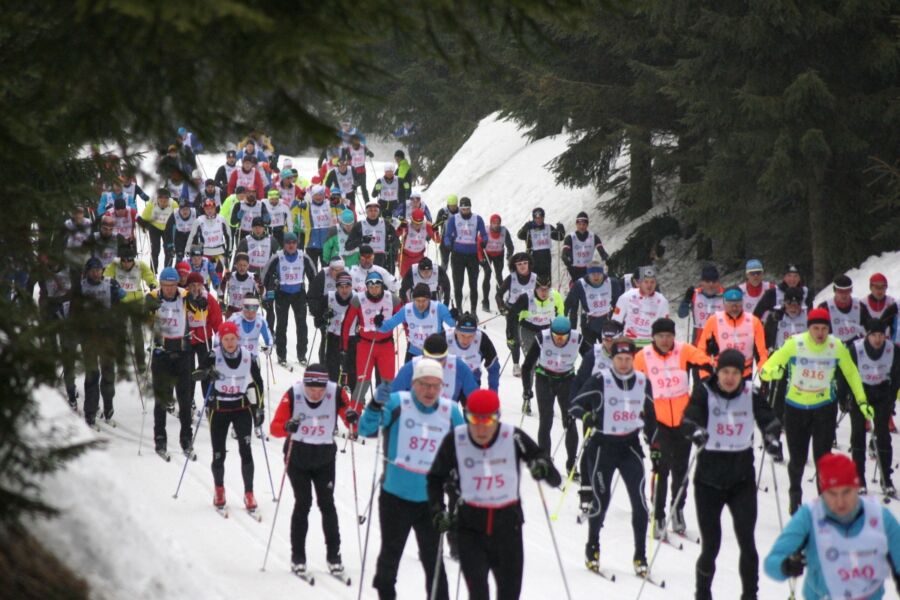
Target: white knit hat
column 428, row 367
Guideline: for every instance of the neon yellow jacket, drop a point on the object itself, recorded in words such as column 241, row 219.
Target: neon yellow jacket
column 810, row 370
column 157, row 216
column 141, row 271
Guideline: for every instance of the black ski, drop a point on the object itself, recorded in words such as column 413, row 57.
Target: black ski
column 596, row 570
column 307, row 577
column 164, row 455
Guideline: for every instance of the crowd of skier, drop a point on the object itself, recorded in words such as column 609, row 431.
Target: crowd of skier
column 207, row 272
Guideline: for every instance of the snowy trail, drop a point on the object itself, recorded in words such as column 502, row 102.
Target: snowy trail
column 121, row 529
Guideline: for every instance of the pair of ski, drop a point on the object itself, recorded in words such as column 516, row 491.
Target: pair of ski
column 611, row 577
column 289, row 366
column 253, row 513
column 310, row 578
column 164, row 454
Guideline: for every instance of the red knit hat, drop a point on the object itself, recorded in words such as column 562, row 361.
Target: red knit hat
column 818, row 315
column 194, row 277
column 836, row 470
column 182, row 267
column 483, row 402
column 878, row 278
column 226, row 328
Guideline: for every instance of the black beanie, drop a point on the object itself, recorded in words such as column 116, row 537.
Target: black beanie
column 875, row 326
column 731, row 358
column 664, row 325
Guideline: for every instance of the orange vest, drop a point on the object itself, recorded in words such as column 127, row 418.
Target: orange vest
column 739, row 337
column 669, row 380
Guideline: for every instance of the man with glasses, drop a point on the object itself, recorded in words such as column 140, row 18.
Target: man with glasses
column 251, row 326
column 283, row 278
column 329, row 317
column 374, row 232
column 410, row 451
column 482, row 458
column 782, row 323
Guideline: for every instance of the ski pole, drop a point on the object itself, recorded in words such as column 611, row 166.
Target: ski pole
column 665, row 525
column 562, row 571
column 187, row 457
column 311, row 346
column 438, row 563
column 780, row 521
column 140, row 392
column 355, row 496
column 362, row 570
column 762, row 462
column 360, row 376
column 287, row 461
column 503, row 368
column 498, row 315
column 562, row 499
column 262, row 437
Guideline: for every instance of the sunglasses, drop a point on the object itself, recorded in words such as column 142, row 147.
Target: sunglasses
column 251, row 308
column 482, row 419
column 373, row 283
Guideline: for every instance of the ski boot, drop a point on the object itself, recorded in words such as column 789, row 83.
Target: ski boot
column 678, row 524
column 302, row 361
column 298, row 567
column 282, row 362
column 249, row 500
column 778, row 457
column 517, row 370
column 640, row 567
column 219, row 498
column 336, row 567
column 188, row 451
column 108, row 418
column 659, row 529
column 72, row 393
column 794, row 503
column 486, row 306
column 585, row 499
column 592, row 556
column 526, row 407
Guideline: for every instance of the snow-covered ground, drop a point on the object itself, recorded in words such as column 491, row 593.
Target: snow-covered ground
column 122, row 530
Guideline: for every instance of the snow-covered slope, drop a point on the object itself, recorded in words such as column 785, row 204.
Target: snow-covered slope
column 888, row 264
column 122, row 530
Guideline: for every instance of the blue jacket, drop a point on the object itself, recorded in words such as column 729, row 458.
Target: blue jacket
column 799, row 534
column 450, row 235
column 443, row 316
column 465, row 381
column 108, row 201
column 398, row 481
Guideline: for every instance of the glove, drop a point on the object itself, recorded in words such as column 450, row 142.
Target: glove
column 152, row 303
column 527, row 395
column 382, row 393
column 366, row 239
column 589, row 419
column 655, row 457
column 501, row 307
column 773, row 447
column 319, row 322
column 560, row 229
column 329, row 314
column 379, row 319
column 868, row 412
column 443, row 521
column 200, row 303
column 352, row 416
column 712, row 347
column 540, row 468
column 793, row 565
column 700, row 437
column 454, row 313
column 292, row 426
column 270, row 295
column 258, row 413
column 267, row 350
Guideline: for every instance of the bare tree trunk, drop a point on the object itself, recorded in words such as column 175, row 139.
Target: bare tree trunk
column 817, row 235
column 640, row 192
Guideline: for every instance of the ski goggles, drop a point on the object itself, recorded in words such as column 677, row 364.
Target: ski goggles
column 488, row 419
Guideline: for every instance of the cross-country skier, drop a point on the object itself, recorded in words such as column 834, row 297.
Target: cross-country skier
column 638, row 308
column 702, row 302
column 497, row 248
column 308, row 414
column 482, row 459
column 475, row 348
column 734, row 328
column 464, row 230
column 719, row 420
column 580, row 247
column 421, row 318
column 537, row 236
column 458, row 380
column 520, row 281
column 595, row 295
column 154, row 219
column 410, row 451
column 424, row 272
column 849, row 545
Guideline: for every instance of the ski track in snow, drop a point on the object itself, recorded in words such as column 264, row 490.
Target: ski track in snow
column 121, row 529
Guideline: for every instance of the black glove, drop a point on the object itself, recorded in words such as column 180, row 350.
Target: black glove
column 560, row 229
column 200, row 303
column 352, row 416
column 527, row 394
column 366, row 239
column 844, row 403
column 379, row 319
column 712, row 346
column 152, row 303
column 793, row 565
column 700, row 437
column 292, row 426
column 540, row 468
column 319, row 322
column 258, row 413
column 329, row 314
column 454, row 313
column 589, row 419
column 443, row 521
